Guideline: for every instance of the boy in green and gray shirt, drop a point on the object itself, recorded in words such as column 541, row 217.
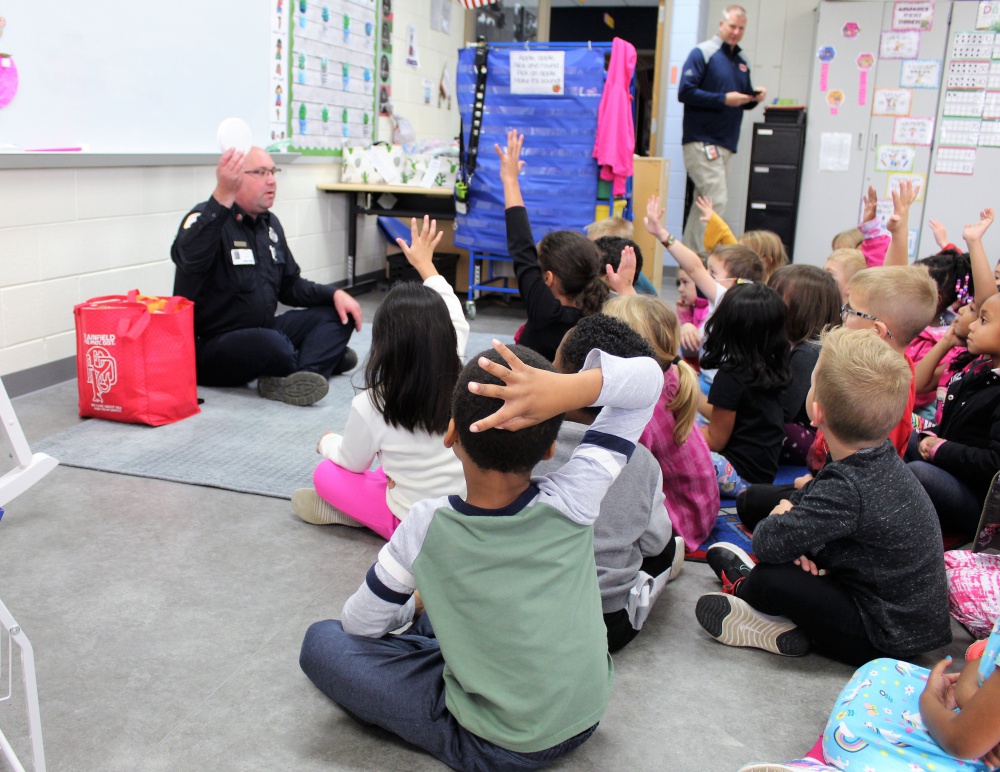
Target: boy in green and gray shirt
column 508, row 666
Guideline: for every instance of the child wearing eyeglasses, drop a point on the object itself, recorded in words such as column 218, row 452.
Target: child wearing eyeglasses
column 852, row 564
column 897, row 302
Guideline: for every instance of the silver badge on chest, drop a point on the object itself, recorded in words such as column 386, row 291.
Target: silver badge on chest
column 273, row 234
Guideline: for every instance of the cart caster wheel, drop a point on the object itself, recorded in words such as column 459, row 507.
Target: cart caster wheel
column 470, row 309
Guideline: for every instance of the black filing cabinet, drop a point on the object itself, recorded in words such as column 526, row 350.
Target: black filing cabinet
column 776, row 173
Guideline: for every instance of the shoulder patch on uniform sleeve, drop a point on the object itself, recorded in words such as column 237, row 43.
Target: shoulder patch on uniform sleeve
column 191, row 219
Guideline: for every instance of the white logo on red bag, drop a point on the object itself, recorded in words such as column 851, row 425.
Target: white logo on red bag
column 92, row 339
column 102, row 371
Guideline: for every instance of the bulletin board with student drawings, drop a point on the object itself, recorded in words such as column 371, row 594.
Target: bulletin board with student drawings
column 557, row 115
column 325, row 72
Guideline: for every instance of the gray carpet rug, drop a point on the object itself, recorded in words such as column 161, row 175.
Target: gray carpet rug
column 238, row 441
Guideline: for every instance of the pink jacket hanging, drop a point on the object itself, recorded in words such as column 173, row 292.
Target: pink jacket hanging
column 615, row 143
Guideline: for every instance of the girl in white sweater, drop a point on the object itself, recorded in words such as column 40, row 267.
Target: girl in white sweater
column 418, row 344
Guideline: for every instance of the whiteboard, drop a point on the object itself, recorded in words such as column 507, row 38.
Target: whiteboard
column 136, row 77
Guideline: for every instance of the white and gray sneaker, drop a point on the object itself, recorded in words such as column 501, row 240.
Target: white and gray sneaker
column 734, row 622
column 309, row 506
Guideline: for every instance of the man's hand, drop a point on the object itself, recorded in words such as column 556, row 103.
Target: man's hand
column 654, row 215
column 510, row 157
column 622, row 281
column 420, row 251
column 229, row 176
column 871, row 205
column 975, row 231
column 761, row 95
column 345, row 304
column 738, row 99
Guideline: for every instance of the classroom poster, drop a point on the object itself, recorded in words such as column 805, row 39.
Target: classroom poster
column 988, row 15
column 920, row 73
column 913, row 15
column 919, row 184
column 899, row 45
column 894, row 158
column 913, row 131
column 892, row 101
column 331, row 73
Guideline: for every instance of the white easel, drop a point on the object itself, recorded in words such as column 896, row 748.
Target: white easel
column 30, row 469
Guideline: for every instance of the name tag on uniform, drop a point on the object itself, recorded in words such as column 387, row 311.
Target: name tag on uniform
column 242, row 256
column 711, row 152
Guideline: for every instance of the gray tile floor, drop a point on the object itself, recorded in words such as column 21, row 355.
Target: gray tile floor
column 166, row 621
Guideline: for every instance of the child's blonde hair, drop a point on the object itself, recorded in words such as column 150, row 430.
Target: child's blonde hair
column 849, row 239
column 611, row 226
column 768, row 245
column 657, row 323
column 850, row 261
column 861, row 384
column 904, row 297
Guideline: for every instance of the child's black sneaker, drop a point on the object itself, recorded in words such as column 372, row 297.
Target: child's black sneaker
column 734, row 622
column 730, row 563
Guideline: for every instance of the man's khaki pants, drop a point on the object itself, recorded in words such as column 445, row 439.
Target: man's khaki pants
column 709, row 177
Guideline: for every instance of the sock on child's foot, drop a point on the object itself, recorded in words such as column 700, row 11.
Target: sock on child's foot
column 308, row 505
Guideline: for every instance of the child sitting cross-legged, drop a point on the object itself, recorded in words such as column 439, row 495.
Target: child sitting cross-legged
column 508, row 666
column 636, row 551
column 852, row 564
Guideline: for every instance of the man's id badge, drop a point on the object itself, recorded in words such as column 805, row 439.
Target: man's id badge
column 711, row 152
column 242, row 256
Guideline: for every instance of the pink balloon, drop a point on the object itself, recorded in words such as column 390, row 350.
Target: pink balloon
column 8, row 80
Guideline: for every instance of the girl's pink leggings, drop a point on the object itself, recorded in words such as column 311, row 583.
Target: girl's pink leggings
column 360, row 495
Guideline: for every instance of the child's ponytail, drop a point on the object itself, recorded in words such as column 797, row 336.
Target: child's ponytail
column 684, row 405
column 593, row 297
column 657, row 322
column 574, row 260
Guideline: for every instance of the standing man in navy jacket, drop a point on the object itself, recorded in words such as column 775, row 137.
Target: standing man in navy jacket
column 715, row 89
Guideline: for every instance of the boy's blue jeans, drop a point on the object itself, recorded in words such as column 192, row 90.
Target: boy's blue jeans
column 397, row 682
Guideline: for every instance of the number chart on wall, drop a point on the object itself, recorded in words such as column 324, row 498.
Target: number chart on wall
column 323, row 74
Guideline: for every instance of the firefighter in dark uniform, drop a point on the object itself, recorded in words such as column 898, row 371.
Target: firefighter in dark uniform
column 234, row 263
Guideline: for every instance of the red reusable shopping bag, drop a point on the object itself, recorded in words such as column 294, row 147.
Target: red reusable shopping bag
column 135, row 358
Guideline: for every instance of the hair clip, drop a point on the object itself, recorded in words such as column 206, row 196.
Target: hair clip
column 962, row 291
column 743, row 281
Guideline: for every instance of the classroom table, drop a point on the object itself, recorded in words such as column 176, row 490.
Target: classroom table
column 411, row 201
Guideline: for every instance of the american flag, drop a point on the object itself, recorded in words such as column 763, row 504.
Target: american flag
column 476, row 3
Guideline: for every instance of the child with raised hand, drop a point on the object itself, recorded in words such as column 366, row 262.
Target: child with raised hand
column 767, row 244
column 508, row 666
column 635, row 548
column 726, row 265
column 862, row 521
column 927, row 719
column 610, row 248
column 692, row 311
column 418, row 342
column 746, row 340
column 959, row 457
column 559, row 281
column 812, row 304
column 689, row 482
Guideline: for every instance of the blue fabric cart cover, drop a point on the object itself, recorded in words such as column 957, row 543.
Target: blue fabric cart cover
column 559, row 181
